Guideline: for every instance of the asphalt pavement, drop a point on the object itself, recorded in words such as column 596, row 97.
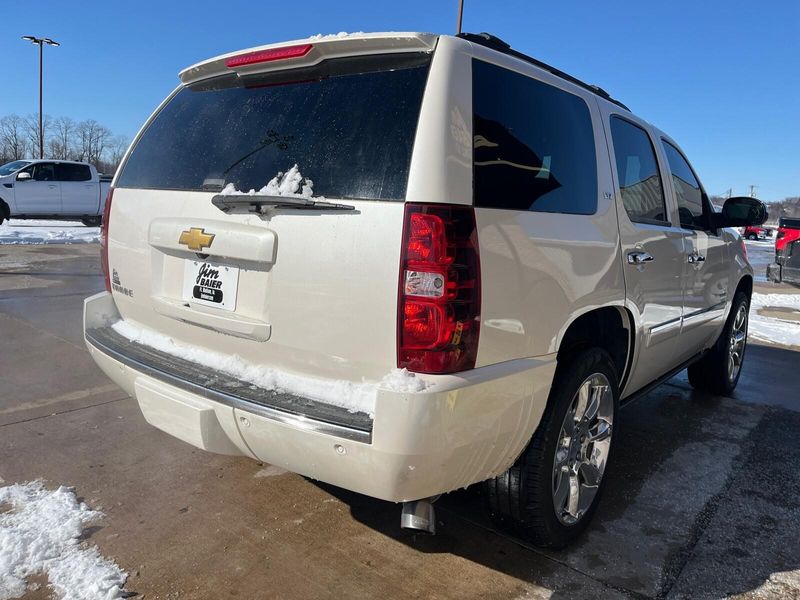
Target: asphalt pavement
column 702, row 499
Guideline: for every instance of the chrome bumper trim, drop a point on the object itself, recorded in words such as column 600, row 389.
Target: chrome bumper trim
column 293, row 420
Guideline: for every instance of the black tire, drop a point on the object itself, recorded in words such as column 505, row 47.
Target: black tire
column 711, row 373
column 92, row 221
column 752, row 236
column 5, row 213
column 521, row 500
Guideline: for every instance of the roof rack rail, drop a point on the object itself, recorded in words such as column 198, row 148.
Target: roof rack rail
column 495, row 43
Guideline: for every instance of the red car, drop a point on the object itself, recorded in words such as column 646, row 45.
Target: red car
column 757, row 233
column 787, row 253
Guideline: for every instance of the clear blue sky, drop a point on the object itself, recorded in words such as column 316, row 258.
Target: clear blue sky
column 720, row 76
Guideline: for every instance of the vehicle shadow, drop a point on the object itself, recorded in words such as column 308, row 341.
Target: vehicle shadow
column 701, row 501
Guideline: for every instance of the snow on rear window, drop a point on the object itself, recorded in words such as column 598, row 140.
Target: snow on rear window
column 290, row 183
column 349, row 122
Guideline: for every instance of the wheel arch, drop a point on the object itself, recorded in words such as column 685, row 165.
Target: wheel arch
column 610, row 328
column 745, row 285
column 5, row 209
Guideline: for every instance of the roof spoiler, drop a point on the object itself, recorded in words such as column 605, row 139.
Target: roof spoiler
column 308, row 52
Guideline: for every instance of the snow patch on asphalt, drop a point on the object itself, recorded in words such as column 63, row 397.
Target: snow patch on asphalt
column 35, row 231
column 270, row 471
column 40, row 534
column 355, row 397
column 774, row 329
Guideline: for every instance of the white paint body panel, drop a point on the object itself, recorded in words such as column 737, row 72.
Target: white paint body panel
column 318, row 296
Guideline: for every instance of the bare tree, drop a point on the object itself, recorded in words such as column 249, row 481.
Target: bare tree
column 31, row 126
column 13, row 142
column 61, row 140
column 65, row 139
column 117, row 146
column 91, row 138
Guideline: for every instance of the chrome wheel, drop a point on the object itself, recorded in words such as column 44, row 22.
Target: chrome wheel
column 737, row 343
column 583, row 447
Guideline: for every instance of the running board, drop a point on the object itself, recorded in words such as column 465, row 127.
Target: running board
column 663, row 379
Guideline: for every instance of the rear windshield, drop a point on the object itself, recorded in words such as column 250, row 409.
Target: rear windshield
column 348, row 124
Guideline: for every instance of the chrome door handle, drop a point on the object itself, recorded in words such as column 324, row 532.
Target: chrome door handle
column 696, row 258
column 638, row 258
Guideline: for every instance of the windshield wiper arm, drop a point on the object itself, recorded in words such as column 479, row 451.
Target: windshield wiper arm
column 257, row 202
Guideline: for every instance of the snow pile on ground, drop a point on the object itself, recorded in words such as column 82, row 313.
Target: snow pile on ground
column 291, row 183
column 767, row 243
column 773, row 329
column 34, row 231
column 39, row 534
column 355, row 397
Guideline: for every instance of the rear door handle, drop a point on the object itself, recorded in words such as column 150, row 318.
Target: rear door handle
column 639, row 257
column 696, row 258
column 52, row 186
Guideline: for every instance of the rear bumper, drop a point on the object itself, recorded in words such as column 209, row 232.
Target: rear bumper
column 462, row 429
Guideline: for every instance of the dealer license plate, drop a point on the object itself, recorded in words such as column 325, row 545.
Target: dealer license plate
column 210, row 284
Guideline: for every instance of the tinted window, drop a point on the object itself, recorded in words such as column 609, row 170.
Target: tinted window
column 348, row 124
column 67, row 172
column 533, row 146
column 688, row 193
column 637, row 169
column 43, row 172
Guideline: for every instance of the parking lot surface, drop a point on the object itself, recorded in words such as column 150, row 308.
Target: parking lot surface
column 703, row 499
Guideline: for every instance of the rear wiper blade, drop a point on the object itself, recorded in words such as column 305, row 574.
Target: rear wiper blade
column 257, row 202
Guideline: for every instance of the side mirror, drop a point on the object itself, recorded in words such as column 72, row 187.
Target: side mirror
column 24, row 176
column 741, row 211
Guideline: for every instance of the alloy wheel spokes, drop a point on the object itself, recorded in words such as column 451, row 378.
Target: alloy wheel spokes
column 582, row 449
column 601, row 432
column 737, row 343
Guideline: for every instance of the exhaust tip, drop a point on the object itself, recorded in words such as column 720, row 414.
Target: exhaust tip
column 419, row 515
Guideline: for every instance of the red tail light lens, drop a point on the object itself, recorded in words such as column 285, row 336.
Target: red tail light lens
column 261, row 56
column 439, row 304
column 104, row 240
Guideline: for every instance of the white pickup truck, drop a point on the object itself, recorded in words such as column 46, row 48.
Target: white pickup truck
column 52, row 188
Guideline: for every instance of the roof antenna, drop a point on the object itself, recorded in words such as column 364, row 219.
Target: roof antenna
column 460, row 15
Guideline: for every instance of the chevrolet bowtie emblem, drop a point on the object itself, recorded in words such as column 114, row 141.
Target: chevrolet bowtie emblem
column 196, row 238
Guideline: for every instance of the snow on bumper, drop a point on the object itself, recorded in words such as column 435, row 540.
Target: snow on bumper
column 461, row 429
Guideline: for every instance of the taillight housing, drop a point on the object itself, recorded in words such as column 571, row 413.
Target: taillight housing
column 440, row 290
column 104, row 240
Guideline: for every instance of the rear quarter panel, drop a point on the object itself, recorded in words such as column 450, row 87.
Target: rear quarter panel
column 539, row 271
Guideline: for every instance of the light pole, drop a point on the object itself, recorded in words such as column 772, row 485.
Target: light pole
column 40, row 42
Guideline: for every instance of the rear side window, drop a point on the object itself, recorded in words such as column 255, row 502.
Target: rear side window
column 348, row 124
column 688, row 193
column 67, row 172
column 637, row 169
column 533, row 145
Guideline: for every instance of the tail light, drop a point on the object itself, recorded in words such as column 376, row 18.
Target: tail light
column 104, row 240
column 273, row 54
column 440, row 291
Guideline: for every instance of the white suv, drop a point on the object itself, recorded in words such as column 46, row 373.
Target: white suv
column 405, row 263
